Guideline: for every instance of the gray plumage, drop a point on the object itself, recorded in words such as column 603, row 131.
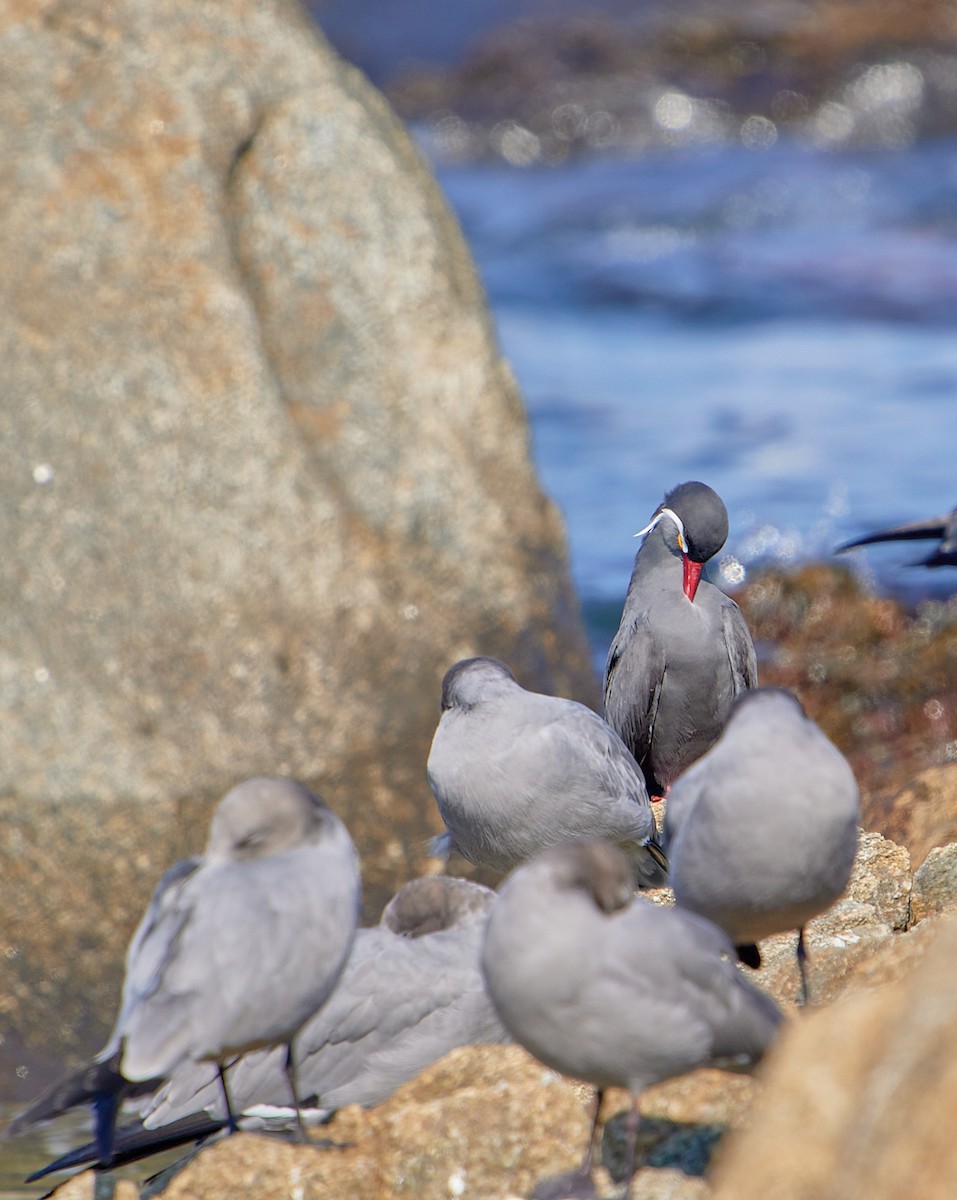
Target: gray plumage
column 943, row 527
column 238, row 948
column 683, row 651
column 410, row 992
column 762, row 831
column 610, row 988
column 514, row 771
column 244, row 949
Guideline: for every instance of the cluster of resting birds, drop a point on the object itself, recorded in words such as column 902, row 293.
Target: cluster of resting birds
column 251, row 1000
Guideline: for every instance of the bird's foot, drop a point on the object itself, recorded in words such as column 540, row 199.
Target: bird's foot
column 573, row 1185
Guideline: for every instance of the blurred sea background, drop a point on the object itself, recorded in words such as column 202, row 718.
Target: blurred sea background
column 719, row 243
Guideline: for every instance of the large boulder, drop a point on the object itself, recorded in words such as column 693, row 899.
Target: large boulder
column 264, row 473
column 854, row 1096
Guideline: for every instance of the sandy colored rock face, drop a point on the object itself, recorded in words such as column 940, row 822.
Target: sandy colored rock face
column 854, row 1095
column 265, row 475
column 924, row 814
column 481, row 1122
column 935, row 883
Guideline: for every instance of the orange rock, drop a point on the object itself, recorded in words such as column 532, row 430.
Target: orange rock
column 924, row 814
column 857, row 1097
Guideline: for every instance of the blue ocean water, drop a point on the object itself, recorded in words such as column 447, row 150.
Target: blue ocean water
column 779, row 323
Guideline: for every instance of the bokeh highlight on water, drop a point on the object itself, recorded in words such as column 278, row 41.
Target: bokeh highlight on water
column 778, row 322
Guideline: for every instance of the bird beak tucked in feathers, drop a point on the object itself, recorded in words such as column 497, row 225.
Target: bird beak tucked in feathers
column 691, row 569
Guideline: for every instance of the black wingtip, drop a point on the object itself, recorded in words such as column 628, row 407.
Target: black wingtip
column 134, row 1142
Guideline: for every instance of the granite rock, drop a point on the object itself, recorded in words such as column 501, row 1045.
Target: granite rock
column 854, row 1094
column 264, row 472
column 924, row 813
column 935, row 883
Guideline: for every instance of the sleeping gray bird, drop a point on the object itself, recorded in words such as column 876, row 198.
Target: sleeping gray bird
column 236, row 950
column 612, row 989
column 943, row 527
column 683, row 651
column 411, row 991
column 514, row 771
column 762, row 831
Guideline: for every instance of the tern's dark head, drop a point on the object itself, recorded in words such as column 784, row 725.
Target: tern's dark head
column 599, row 869
column 703, row 516
column 434, row 903
column 472, row 680
column 266, row 816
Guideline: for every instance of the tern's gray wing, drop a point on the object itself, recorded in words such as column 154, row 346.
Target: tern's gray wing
column 686, row 985
column 633, row 678
column 682, row 797
column 153, row 944
column 400, row 1005
column 236, row 975
column 740, row 647
column 576, row 748
column 405, row 1006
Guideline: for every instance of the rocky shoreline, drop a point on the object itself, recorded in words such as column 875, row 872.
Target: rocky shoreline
column 491, row 1122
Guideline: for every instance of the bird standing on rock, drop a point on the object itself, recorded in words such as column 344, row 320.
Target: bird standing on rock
column 683, row 651
column 515, row 771
column 411, row 991
column 762, row 831
column 236, row 950
column 605, row 986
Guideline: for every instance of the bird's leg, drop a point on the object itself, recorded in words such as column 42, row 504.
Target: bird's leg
column 104, row 1113
column 590, row 1148
column 290, row 1068
column 632, row 1121
column 802, row 966
column 230, row 1115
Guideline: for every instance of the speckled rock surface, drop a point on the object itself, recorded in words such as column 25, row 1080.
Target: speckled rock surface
column 874, row 906
column 83, row 1187
column 480, row 1123
column 264, row 473
column 924, row 814
column 882, row 879
column 854, row 1096
column 935, row 883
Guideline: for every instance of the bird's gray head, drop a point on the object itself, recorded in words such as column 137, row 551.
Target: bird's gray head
column 434, row 903
column 474, row 679
column 764, row 703
column 599, row 869
column 703, row 517
column 266, row 816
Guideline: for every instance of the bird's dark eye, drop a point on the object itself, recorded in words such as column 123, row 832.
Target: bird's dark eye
column 250, row 841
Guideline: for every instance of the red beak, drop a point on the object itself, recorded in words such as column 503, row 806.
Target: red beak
column 692, row 573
